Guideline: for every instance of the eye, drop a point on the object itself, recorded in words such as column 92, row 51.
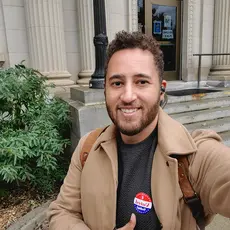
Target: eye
column 116, row 83
column 142, row 82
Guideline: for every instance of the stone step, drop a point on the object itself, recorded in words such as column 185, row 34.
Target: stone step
column 196, row 105
column 226, row 138
column 218, row 125
column 203, row 111
column 202, row 115
column 198, row 97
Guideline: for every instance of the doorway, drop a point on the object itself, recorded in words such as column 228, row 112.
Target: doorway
column 163, row 21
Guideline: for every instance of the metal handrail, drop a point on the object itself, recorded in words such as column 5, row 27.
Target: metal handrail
column 199, row 65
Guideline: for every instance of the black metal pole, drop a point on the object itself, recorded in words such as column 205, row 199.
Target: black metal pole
column 100, row 42
column 199, row 70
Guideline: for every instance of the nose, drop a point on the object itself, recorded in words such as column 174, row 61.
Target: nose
column 129, row 94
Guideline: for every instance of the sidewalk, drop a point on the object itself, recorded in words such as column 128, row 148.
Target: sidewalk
column 219, row 223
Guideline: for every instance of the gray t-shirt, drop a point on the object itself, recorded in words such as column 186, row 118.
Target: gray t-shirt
column 134, row 183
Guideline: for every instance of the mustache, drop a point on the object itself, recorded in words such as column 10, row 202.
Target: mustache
column 121, row 105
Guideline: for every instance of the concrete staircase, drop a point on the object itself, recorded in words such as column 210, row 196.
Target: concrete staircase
column 203, row 111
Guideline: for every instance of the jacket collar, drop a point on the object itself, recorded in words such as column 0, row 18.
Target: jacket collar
column 173, row 138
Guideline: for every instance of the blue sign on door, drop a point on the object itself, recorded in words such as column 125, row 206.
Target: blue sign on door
column 157, row 27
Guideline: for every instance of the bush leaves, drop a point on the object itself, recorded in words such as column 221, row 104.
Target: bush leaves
column 31, row 127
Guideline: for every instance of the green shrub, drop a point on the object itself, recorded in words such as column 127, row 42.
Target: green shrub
column 32, row 124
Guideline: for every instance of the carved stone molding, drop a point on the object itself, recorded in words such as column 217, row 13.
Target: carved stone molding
column 191, row 4
column 133, row 15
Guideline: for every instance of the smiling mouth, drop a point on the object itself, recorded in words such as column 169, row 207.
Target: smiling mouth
column 129, row 111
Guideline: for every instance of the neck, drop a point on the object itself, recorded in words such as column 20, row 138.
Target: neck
column 142, row 135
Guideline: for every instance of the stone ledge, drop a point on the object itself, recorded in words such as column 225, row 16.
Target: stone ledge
column 87, row 95
column 31, row 219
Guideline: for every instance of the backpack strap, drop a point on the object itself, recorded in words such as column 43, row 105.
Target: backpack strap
column 90, row 140
column 191, row 198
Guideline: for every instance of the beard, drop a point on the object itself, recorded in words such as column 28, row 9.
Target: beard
column 129, row 127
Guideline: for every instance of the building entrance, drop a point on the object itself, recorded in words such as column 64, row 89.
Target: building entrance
column 162, row 19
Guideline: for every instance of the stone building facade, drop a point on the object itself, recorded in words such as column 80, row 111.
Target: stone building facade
column 56, row 36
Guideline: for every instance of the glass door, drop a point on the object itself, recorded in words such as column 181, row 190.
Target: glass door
column 162, row 20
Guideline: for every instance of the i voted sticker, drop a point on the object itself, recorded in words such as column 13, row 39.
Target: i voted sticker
column 142, row 203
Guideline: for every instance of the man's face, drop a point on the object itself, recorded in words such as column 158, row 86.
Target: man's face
column 132, row 90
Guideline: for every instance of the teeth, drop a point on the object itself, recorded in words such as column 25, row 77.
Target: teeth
column 128, row 110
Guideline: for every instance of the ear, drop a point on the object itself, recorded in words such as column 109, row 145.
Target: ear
column 163, row 89
column 104, row 86
column 164, row 84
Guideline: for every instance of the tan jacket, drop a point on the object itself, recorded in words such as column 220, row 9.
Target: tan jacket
column 87, row 199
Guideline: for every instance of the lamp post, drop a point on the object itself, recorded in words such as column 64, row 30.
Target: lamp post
column 100, row 42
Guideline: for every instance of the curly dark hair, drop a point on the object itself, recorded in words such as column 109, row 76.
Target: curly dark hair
column 126, row 40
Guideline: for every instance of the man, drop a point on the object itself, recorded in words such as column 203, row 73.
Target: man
column 130, row 179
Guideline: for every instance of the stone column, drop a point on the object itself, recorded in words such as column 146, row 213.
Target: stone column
column 221, row 64
column 46, row 39
column 86, row 24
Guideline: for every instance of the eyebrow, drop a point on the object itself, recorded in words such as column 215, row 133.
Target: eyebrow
column 142, row 75
column 116, row 76
column 121, row 76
